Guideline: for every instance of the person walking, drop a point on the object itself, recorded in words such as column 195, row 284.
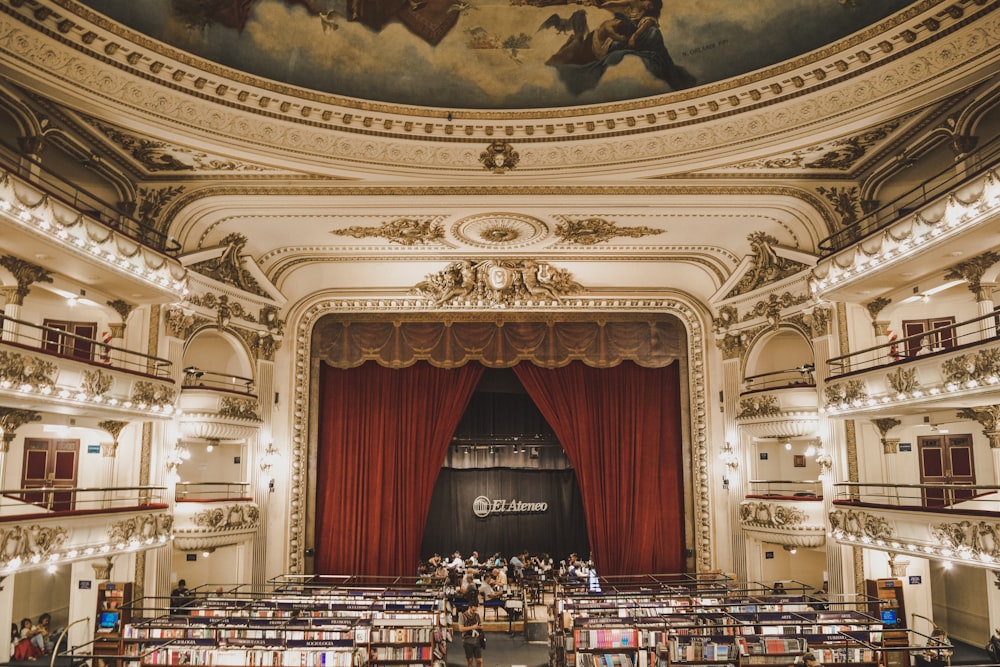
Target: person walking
column 473, row 640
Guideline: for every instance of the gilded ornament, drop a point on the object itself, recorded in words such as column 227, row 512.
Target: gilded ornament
column 771, row 515
column 404, row 231
column 846, row 393
column 237, row 516
column 591, row 231
column 766, row 265
column 857, row 524
column 143, row 528
column 903, row 380
column 30, row 542
column 497, row 282
column 499, row 157
column 758, row 406
column 229, row 267
column 238, row 408
column 152, row 394
column 25, row 273
column 96, row 382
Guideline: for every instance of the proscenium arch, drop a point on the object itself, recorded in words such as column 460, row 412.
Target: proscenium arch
column 303, row 413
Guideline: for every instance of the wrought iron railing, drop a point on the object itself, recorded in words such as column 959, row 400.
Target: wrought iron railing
column 800, row 376
column 14, row 503
column 198, row 377
column 38, row 174
column 950, row 338
column 977, row 162
column 60, row 343
column 207, row 491
column 958, row 498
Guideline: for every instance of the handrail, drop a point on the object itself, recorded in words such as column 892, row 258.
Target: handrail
column 66, row 345
column 806, row 489
column 800, row 376
column 957, row 498
column 198, row 377
column 89, row 204
column 984, row 157
column 950, row 338
column 55, row 500
column 198, row 491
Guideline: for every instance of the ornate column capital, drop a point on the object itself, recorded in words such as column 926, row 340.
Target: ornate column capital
column 890, row 445
column 102, row 571
column 25, row 273
column 881, row 327
column 123, row 308
column 877, row 305
column 12, row 419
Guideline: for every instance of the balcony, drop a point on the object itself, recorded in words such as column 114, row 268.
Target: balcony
column 907, row 376
column 953, row 522
column 210, row 515
column 50, row 370
column 779, row 404
column 217, row 406
column 84, row 236
column 918, row 234
column 786, row 512
column 42, row 526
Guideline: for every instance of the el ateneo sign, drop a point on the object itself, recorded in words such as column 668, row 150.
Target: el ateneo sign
column 483, row 506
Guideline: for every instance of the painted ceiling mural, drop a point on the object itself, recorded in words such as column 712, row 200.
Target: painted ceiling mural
column 497, row 54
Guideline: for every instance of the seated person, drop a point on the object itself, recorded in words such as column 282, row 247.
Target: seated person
column 43, row 636
column 809, row 660
column 932, row 654
column 26, row 649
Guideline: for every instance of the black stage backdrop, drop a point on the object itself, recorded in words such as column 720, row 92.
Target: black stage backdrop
column 452, row 525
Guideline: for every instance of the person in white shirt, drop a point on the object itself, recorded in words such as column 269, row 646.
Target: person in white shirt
column 456, row 568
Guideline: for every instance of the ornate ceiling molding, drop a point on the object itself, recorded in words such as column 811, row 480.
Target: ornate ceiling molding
column 99, row 58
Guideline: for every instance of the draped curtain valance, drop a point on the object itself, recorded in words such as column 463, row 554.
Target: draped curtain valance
column 654, row 342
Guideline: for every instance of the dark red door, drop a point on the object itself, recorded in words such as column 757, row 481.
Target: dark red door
column 51, row 464
column 946, row 459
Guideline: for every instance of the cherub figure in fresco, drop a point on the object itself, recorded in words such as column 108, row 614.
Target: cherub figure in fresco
column 634, row 29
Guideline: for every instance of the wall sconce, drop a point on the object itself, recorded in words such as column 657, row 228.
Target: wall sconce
column 790, row 548
column 729, row 459
column 269, row 458
column 175, row 457
column 824, row 460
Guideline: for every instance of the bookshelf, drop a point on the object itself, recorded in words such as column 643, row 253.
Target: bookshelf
column 306, row 629
column 666, row 629
column 112, row 616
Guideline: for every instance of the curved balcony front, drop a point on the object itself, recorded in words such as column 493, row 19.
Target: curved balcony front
column 786, row 512
column 217, row 407
column 202, row 524
column 960, row 523
column 904, row 377
column 780, row 404
column 50, row 370
column 43, row 526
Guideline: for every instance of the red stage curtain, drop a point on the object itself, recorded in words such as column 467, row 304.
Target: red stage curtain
column 383, row 435
column 621, row 429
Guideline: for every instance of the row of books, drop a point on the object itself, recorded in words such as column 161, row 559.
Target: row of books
column 606, row 638
column 605, row 660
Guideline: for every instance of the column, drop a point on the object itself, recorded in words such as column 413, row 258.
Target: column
column 984, row 299
column 117, row 355
column 11, row 309
column 733, row 469
column 6, row 612
column 882, row 338
column 265, row 492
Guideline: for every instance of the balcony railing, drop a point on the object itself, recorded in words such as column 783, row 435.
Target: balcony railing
column 59, row 343
column 47, row 501
column 956, row 498
column 35, row 172
column 801, row 376
column 979, row 161
column 804, row 489
column 194, row 492
column 950, row 338
column 196, row 377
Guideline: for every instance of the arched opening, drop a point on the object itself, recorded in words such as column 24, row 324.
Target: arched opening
column 610, row 390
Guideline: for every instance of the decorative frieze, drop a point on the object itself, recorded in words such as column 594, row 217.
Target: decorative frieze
column 238, row 408
column 977, row 540
column 497, row 282
column 18, row 369
column 859, row 525
column 973, row 368
column 140, row 529
column 903, row 381
column 96, row 382
column 758, row 406
column 30, row 543
column 852, row 392
column 771, row 515
column 404, row 231
column 233, row 517
column 152, row 394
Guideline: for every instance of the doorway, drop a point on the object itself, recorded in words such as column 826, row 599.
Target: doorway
column 52, row 464
column 946, row 459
